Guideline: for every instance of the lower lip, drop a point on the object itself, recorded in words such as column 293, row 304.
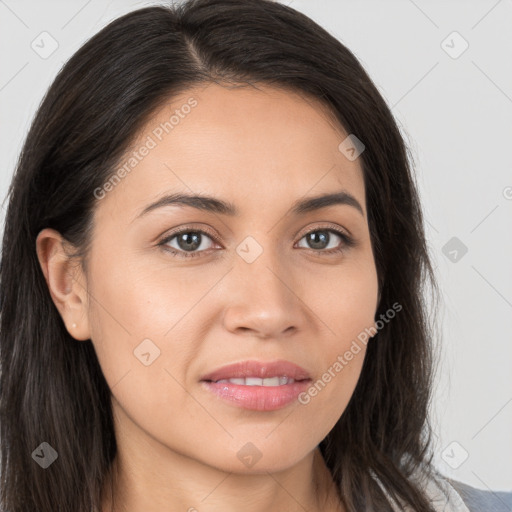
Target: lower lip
column 258, row 398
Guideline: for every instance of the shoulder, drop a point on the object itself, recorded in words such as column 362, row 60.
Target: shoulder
column 477, row 500
column 449, row 495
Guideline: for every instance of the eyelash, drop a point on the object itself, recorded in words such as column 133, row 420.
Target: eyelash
column 347, row 242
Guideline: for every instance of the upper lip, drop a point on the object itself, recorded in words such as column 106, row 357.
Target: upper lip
column 260, row 369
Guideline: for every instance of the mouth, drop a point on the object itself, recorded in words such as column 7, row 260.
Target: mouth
column 256, row 381
column 258, row 386
column 263, row 370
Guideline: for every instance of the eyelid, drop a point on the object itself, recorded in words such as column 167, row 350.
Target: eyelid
column 187, row 227
column 324, row 225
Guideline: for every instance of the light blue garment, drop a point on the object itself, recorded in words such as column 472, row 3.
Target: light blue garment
column 477, row 500
column 448, row 495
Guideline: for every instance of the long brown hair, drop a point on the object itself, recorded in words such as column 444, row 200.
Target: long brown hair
column 52, row 388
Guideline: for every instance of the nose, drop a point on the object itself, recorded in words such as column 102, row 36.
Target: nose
column 263, row 298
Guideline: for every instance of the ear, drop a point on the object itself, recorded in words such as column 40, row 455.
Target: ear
column 66, row 282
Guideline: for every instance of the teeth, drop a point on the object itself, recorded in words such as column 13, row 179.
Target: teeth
column 255, row 381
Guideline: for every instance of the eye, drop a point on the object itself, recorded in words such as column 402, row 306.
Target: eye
column 187, row 243
column 322, row 240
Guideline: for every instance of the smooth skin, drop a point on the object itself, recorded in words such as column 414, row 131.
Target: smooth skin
column 261, row 149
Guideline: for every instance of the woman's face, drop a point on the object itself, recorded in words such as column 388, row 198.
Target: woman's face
column 255, row 287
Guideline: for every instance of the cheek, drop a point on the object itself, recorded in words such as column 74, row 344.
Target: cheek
column 143, row 368
column 140, row 300
column 140, row 319
column 346, row 305
column 345, row 300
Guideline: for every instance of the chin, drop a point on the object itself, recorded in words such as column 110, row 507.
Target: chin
column 260, row 455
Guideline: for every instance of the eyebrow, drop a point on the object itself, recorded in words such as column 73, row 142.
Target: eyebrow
column 215, row 205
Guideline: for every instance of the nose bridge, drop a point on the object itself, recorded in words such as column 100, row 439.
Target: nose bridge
column 260, row 264
column 264, row 299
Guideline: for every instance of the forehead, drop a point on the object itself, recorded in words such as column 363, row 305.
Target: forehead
column 249, row 145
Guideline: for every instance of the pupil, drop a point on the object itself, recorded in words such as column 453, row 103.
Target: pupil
column 318, row 239
column 189, row 242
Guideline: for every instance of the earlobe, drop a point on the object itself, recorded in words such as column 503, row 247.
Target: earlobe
column 65, row 281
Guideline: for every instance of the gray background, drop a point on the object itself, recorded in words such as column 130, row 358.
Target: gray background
column 454, row 108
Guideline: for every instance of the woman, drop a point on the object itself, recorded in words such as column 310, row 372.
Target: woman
column 212, row 279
